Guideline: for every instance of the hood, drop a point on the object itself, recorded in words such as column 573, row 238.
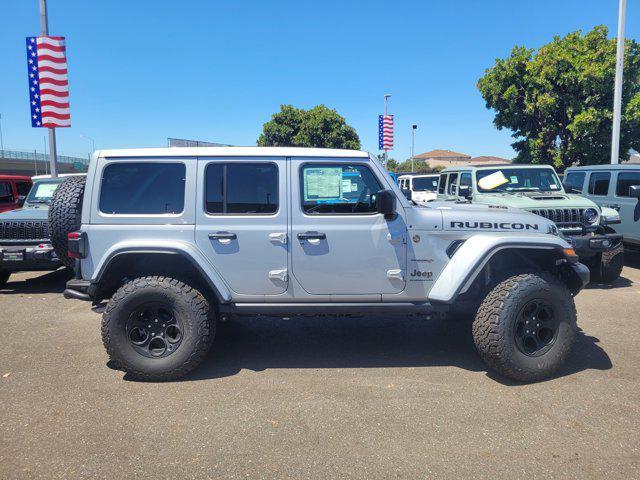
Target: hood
column 535, row 200
column 25, row 214
column 486, row 218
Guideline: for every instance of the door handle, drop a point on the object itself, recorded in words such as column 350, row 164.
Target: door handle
column 614, row 206
column 223, row 237
column 280, row 237
column 311, row 236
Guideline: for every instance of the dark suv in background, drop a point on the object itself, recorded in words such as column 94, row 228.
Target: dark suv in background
column 13, row 191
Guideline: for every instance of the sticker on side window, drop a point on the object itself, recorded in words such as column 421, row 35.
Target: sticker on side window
column 322, row 183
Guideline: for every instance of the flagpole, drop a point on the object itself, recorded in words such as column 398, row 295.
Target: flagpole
column 617, row 91
column 52, row 131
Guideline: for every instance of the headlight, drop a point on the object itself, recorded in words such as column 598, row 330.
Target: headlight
column 590, row 215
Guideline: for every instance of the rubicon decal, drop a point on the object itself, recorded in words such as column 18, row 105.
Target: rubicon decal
column 496, row 225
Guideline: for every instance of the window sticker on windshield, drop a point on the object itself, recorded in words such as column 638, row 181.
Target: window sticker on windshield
column 346, row 186
column 46, row 190
column 322, row 183
column 514, row 179
column 492, row 181
column 553, row 186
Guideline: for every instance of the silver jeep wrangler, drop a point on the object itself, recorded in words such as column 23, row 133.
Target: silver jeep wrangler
column 166, row 241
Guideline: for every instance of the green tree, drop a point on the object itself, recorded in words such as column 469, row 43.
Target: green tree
column 558, row 101
column 319, row 127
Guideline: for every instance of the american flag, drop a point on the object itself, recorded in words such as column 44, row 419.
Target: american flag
column 385, row 132
column 48, row 83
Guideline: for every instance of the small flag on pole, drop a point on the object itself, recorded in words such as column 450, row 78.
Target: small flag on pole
column 385, row 132
column 48, row 83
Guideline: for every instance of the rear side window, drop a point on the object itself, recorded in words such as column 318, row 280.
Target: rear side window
column 143, row 188
column 574, row 181
column 23, row 188
column 442, row 184
column 599, row 183
column 6, row 192
column 465, row 180
column 241, row 188
column 626, row 180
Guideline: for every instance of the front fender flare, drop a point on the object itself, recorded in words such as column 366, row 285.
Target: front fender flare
column 471, row 257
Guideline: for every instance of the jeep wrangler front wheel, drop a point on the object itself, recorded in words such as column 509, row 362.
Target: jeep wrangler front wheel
column 607, row 266
column 525, row 326
column 157, row 328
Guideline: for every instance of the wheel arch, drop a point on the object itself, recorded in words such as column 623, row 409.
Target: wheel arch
column 478, row 258
column 174, row 262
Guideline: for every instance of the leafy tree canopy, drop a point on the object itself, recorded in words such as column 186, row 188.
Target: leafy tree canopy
column 319, row 127
column 558, row 101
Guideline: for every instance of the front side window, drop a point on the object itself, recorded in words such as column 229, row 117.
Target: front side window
column 465, row 180
column 518, row 180
column 453, row 188
column 442, row 183
column 144, row 188
column 6, row 193
column 338, row 189
column 241, row 188
column 599, row 183
column 425, row 184
column 625, row 181
column 23, row 188
column 574, row 181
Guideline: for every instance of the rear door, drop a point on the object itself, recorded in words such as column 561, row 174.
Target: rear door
column 242, row 221
column 7, row 199
column 340, row 245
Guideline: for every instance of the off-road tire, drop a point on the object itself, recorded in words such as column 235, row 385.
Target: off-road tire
column 607, row 267
column 198, row 322
column 4, row 278
column 65, row 215
column 495, row 323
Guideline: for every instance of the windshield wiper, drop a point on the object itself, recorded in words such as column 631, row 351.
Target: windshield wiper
column 523, row 189
column 38, row 201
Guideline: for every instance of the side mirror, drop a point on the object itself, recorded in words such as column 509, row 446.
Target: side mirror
column 386, row 204
column 634, row 191
column 465, row 191
column 21, row 200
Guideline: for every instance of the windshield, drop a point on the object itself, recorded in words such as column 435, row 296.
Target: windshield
column 425, row 184
column 518, row 180
column 41, row 192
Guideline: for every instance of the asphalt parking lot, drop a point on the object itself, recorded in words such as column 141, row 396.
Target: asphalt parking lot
column 316, row 398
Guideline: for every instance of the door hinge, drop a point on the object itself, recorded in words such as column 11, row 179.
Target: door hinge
column 395, row 274
column 280, row 237
column 280, row 274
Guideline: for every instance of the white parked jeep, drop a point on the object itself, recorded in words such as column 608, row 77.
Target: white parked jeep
column 171, row 239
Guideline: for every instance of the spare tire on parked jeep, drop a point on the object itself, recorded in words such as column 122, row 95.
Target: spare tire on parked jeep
column 65, row 215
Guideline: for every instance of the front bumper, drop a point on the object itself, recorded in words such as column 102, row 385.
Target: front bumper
column 590, row 245
column 20, row 258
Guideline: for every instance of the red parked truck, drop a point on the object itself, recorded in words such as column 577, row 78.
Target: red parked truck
column 13, row 191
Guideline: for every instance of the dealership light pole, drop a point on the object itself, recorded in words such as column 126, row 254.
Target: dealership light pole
column 52, row 131
column 617, row 92
column 1, row 139
column 413, row 141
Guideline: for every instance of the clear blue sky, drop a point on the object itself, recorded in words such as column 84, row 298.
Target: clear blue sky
column 141, row 71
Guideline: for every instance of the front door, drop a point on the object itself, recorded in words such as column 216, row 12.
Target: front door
column 629, row 207
column 242, row 222
column 340, row 245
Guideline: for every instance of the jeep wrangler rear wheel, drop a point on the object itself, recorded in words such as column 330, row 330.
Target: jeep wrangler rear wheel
column 157, row 328
column 65, row 215
column 607, row 266
column 525, row 326
column 4, row 278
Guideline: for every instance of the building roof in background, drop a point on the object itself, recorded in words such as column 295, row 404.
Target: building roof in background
column 484, row 159
column 442, row 154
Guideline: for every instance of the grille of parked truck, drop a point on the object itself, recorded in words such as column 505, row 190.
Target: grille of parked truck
column 25, row 243
column 537, row 188
column 167, row 241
